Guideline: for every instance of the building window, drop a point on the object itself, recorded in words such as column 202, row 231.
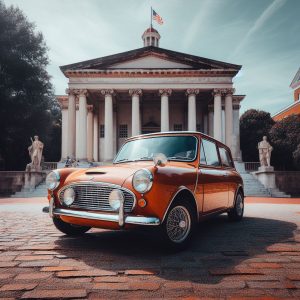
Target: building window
column 101, row 131
column 177, row 127
column 199, row 127
column 123, row 131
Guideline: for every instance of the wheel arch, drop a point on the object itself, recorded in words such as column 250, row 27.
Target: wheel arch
column 183, row 193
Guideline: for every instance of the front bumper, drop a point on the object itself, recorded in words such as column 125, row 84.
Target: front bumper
column 119, row 217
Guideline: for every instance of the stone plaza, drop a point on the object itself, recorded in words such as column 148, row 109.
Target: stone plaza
column 257, row 258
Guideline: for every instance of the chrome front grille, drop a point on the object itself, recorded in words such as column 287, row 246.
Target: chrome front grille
column 94, row 196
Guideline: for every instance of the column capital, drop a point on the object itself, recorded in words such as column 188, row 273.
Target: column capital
column 71, row 92
column 165, row 92
column 230, row 91
column 82, row 92
column 90, row 108
column 217, row 92
column 107, row 92
column 137, row 92
column 192, row 92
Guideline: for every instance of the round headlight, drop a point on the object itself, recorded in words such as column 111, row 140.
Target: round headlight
column 69, row 196
column 115, row 199
column 142, row 181
column 52, row 180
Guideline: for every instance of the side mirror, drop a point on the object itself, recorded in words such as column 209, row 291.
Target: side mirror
column 160, row 159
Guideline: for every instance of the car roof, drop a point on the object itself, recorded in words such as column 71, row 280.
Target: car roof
column 176, row 133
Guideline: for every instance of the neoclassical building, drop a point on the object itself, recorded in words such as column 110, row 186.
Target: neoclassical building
column 146, row 90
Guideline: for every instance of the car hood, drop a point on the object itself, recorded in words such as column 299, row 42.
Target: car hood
column 115, row 174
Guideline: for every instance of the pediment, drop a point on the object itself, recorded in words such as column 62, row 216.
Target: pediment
column 149, row 62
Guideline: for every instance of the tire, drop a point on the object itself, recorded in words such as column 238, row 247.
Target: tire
column 69, row 229
column 236, row 213
column 178, row 227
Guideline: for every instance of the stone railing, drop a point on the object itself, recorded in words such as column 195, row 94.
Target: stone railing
column 252, row 166
column 49, row 165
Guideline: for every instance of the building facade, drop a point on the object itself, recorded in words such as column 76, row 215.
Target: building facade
column 294, row 107
column 146, row 90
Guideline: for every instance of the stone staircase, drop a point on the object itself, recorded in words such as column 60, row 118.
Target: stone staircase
column 253, row 187
column 39, row 191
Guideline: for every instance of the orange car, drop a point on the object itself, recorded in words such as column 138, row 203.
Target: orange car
column 168, row 180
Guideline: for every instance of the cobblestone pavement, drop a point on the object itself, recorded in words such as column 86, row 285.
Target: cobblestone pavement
column 258, row 257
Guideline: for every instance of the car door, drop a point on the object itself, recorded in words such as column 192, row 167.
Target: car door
column 228, row 165
column 212, row 177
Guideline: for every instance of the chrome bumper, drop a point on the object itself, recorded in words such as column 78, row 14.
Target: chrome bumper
column 119, row 217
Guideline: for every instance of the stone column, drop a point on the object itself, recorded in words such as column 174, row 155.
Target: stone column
column 192, row 121
column 71, row 141
column 64, row 127
column 164, row 110
column 217, row 114
column 228, row 117
column 210, row 120
column 90, row 133
column 236, row 150
column 108, row 124
column 96, row 137
column 82, row 126
column 135, row 111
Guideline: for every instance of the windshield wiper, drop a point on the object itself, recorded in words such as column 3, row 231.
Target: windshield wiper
column 122, row 160
column 179, row 157
column 144, row 158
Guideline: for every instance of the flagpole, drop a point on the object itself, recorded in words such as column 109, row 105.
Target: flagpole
column 151, row 18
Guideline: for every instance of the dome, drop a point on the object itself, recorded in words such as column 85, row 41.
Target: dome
column 151, row 37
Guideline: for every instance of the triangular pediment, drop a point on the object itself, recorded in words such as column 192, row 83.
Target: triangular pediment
column 149, row 62
column 151, row 58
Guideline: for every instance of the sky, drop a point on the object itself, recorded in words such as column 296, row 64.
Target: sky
column 260, row 35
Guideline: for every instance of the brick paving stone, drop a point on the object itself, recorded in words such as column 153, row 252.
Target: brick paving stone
column 7, row 264
column 110, row 279
column 141, row 272
column 142, row 285
column 18, row 287
column 111, row 286
column 221, row 285
column 295, row 277
column 268, row 285
column 6, row 275
column 265, row 265
column 85, row 273
column 33, row 257
column 33, row 276
column 235, row 271
column 58, row 268
column 39, row 263
column 178, row 285
column 55, row 294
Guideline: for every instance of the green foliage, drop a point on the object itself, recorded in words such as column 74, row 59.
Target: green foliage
column 296, row 157
column 254, row 124
column 285, row 138
column 27, row 104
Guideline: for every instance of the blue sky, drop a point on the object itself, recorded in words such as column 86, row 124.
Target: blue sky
column 261, row 35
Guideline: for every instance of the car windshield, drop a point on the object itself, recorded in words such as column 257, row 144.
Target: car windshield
column 180, row 148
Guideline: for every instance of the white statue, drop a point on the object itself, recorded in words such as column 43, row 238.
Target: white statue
column 35, row 153
column 264, row 149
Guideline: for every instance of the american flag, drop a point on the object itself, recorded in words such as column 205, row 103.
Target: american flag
column 157, row 17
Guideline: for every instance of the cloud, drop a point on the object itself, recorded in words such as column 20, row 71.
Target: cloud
column 262, row 19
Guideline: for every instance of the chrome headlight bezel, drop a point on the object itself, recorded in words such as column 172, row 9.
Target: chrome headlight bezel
column 116, row 197
column 52, row 180
column 69, row 196
column 142, row 181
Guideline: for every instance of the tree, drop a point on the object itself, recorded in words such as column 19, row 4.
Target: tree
column 296, row 157
column 27, row 103
column 285, row 138
column 254, row 124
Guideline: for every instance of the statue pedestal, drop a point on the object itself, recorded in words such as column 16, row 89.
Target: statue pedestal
column 32, row 179
column 266, row 176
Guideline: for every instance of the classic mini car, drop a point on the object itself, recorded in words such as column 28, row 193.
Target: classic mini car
column 166, row 180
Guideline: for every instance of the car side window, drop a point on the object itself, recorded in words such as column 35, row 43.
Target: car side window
column 211, row 153
column 202, row 155
column 225, row 157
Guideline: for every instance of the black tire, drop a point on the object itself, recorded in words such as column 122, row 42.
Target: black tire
column 237, row 212
column 69, row 229
column 189, row 218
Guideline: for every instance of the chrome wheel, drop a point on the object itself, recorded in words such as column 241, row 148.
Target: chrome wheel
column 239, row 205
column 178, row 224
